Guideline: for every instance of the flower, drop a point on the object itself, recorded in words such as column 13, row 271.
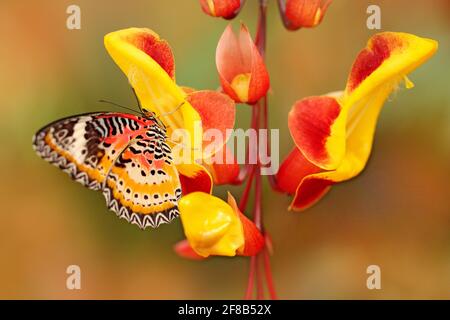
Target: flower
column 241, row 68
column 333, row 133
column 226, row 9
column 149, row 65
column 215, row 227
column 184, row 250
column 224, row 167
column 302, row 13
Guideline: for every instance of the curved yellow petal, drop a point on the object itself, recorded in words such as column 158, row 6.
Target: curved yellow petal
column 359, row 139
column 376, row 72
column 387, row 59
column 147, row 62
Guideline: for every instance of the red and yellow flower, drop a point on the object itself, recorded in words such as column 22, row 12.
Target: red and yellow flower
column 215, row 227
column 333, row 133
column 227, row 9
column 302, row 13
column 242, row 72
column 149, row 65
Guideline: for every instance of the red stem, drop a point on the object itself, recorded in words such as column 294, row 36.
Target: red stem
column 246, row 171
column 244, row 198
column 251, row 278
column 269, row 279
column 257, row 211
column 259, row 264
column 259, row 279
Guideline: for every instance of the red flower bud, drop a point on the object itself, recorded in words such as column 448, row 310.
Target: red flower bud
column 227, row 9
column 241, row 68
column 302, row 13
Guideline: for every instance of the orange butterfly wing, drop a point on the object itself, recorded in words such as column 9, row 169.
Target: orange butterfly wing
column 98, row 146
column 143, row 186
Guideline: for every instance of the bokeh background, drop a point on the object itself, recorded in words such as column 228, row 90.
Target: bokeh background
column 396, row 214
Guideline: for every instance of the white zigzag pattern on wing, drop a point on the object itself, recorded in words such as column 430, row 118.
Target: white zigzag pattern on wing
column 141, row 220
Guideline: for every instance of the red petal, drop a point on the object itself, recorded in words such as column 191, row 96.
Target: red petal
column 311, row 190
column 297, row 176
column 310, row 124
column 184, row 250
column 200, row 181
column 292, row 171
column 259, row 81
column 224, row 169
column 254, row 240
column 160, row 51
column 235, row 56
column 369, row 59
column 217, row 111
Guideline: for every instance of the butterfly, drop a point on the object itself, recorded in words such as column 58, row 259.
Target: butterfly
column 125, row 156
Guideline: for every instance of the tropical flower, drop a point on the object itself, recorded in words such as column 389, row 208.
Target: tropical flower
column 298, row 14
column 333, row 133
column 242, row 72
column 149, row 65
column 226, row 9
column 224, row 167
column 215, row 227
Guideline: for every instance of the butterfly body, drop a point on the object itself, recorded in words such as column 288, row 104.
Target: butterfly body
column 123, row 155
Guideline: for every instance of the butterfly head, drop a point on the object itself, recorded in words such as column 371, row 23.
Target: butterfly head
column 152, row 116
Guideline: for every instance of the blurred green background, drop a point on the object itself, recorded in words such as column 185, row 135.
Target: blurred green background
column 396, row 214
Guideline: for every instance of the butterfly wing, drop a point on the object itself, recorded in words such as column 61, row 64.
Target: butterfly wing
column 143, row 186
column 87, row 147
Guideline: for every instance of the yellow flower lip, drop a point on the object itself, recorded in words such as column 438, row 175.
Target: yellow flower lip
column 215, row 227
column 210, row 224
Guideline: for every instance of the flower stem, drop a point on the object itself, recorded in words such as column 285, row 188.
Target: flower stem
column 244, row 198
column 259, row 279
column 251, row 278
column 260, row 264
column 269, row 279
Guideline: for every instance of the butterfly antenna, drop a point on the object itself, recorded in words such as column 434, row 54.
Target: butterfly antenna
column 138, row 101
column 118, row 105
column 172, row 111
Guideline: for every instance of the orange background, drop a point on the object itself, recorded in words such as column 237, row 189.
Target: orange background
column 396, row 214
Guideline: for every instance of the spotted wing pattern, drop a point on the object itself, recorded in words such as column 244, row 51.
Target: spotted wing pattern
column 100, row 151
column 143, row 185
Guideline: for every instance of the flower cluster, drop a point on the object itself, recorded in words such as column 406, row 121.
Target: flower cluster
column 295, row 14
column 332, row 133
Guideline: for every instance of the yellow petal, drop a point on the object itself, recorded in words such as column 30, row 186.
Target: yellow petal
column 388, row 57
column 377, row 71
column 147, row 62
column 210, row 224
